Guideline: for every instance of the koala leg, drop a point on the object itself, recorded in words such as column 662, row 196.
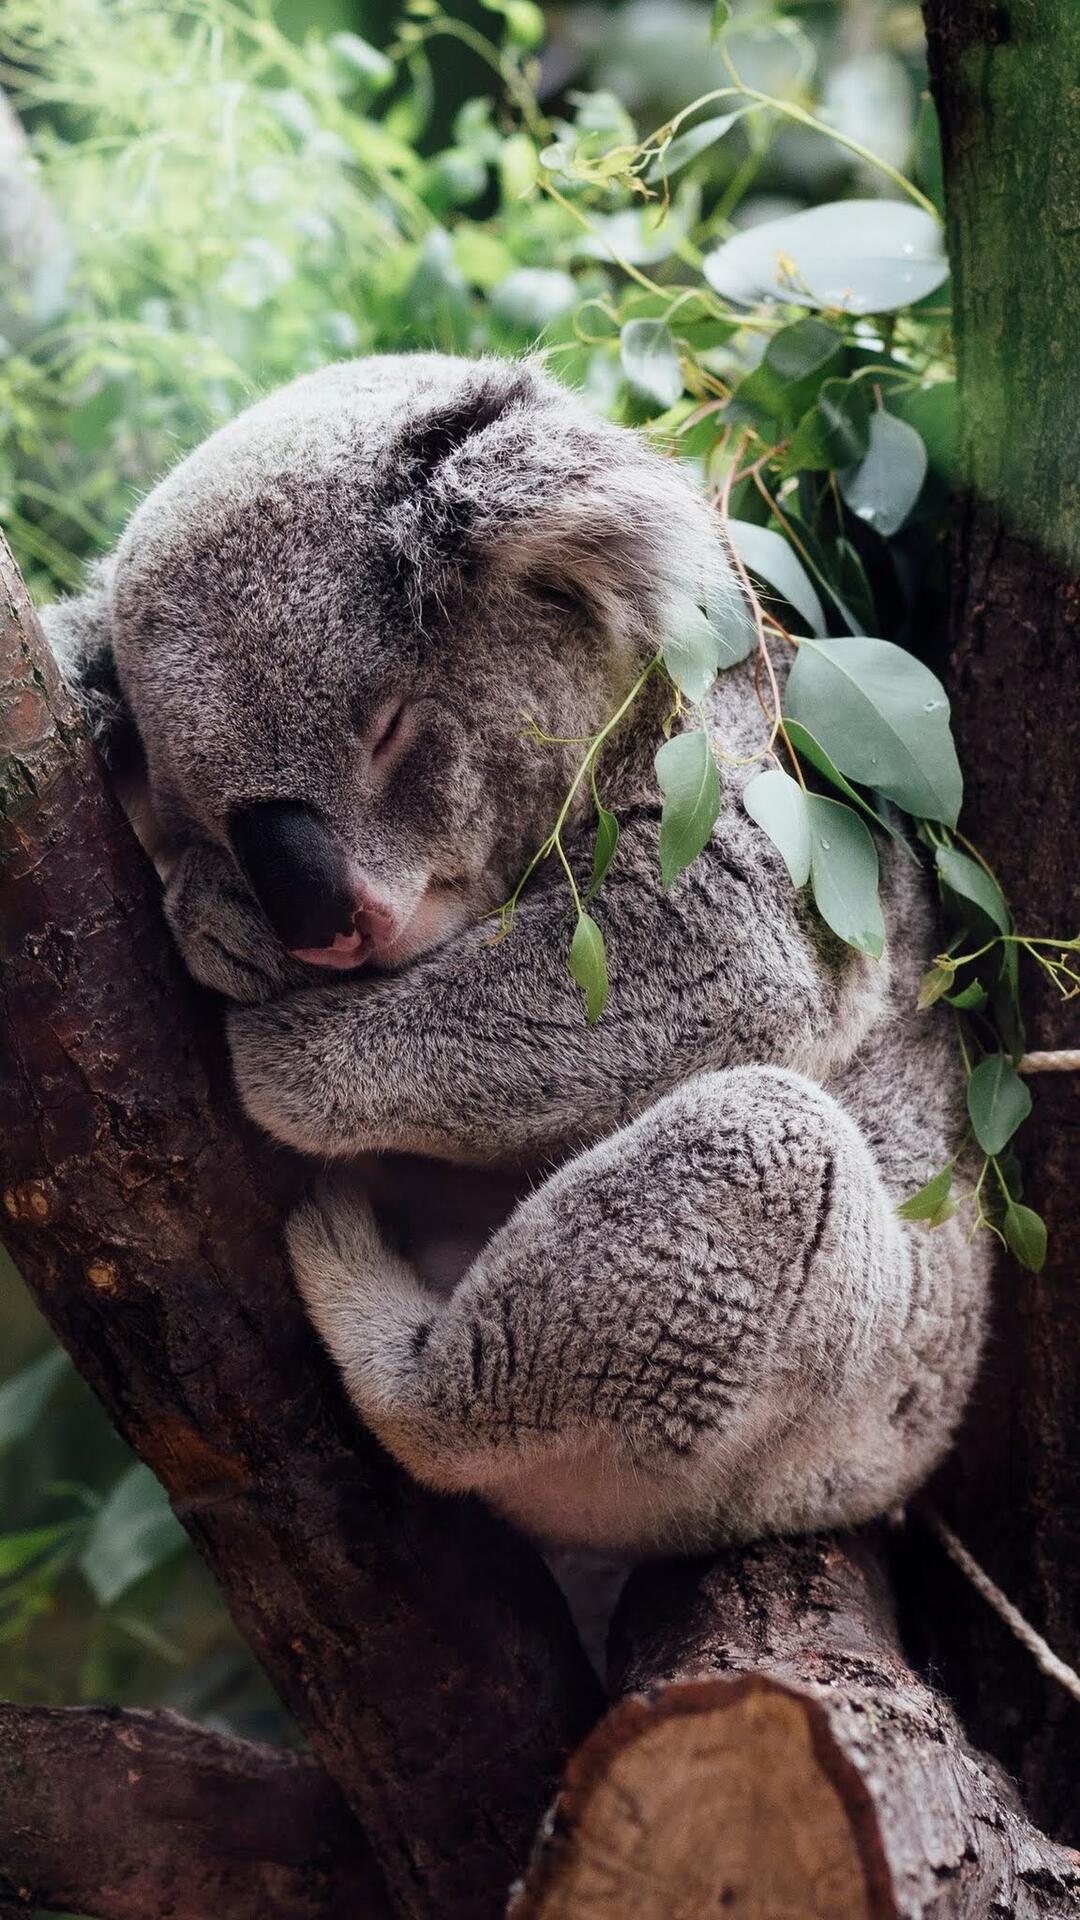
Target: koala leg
column 710, row 1325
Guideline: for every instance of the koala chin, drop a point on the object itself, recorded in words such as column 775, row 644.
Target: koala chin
column 694, row 1315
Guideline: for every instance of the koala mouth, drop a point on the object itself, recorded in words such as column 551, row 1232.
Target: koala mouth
column 348, row 950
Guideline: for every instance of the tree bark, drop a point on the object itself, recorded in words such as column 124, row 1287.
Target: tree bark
column 774, row 1757
column 127, row 1815
column 422, row 1646
column 1005, row 81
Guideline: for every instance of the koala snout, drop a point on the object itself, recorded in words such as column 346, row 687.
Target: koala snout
column 305, row 883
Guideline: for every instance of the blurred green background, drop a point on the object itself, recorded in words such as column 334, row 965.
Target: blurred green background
column 215, row 197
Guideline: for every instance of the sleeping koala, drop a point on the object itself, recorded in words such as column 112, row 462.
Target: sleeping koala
column 697, row 1316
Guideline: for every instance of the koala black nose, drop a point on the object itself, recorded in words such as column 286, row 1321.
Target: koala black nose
column 297, row 869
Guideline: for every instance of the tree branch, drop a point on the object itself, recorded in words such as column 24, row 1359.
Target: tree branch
column 422, row 1646
column 124, row 1815
column 774, row 1754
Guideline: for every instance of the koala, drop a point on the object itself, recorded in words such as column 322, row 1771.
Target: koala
column 692, row 1315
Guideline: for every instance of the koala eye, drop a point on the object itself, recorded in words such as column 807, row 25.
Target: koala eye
column 388, row 730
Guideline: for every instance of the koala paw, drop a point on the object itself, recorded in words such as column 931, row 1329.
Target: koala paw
column 336, row 1251
column 224, row 939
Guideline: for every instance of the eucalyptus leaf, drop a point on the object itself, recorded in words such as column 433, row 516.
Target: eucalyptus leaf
column 770, row 558
column 687, row 146
column 844, row 874
column 686, row 770
column 20, row 1550
column 792, row 368
column 532, row 297
column 588, row 964
column 934, row 984
column 1025, row 1236
column 997, row 1102
column 691, row 650
column 778, row 804
column 133, row 1532
column 650, row 362
column 882, row 489
column 813, row 752
column 883, row 718
column 926, row 1204
column 607, row 839
column 972, row 886
column 861, row 256
column 970, row 999
column 835, row 431
column 24, row 1398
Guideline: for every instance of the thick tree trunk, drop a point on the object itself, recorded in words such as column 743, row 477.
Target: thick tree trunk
column 143, row 1816
column 421, row 1646
column 1005, row 78
column 775, row 1758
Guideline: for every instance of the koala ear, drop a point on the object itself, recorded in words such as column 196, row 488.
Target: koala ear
column 79, row 631
column 510, row 479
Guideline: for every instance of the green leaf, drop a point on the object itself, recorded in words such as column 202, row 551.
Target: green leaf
column 607, row 839
column 25, row 1396
column 833, row 433
column 970, row 999
column 588, row 964
column 933, row 413
column 844, row 874
column 927, row 1204
column 813, row 752
column 19, row 1550
column 692, row 649
column 133, row 1531
column 997, row 1102
column 532, row 297
column 973, row 886
column 686, row 146
column 650, row 361
column 686, row 770
column 883, row 718
column 1025, row 1236
column 791, row 370
column 852, row 580
column 778, row 805
column 862, row 256
column 934, row 983
column 885, row 485
column 360, row 60
column 768, row 556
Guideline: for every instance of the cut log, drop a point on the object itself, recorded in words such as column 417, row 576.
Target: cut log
column 422, row 1647
column 774, row 1757
column 130, row 1815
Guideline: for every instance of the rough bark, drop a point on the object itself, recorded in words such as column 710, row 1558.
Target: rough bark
column 1005, row 80
column 127, row 1815
column 776, row 1758
column 422, row 1647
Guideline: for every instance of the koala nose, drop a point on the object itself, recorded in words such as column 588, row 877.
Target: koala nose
column 301, row 876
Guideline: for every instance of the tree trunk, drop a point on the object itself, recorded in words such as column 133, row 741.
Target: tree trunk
column 143, row 1816
column 422, row 1646
column 775, row 1758
column 1005, row 79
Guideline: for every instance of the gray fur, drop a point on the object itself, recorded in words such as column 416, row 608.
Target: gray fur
column 705, row 1320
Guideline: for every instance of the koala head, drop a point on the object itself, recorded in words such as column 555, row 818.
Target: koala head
column 326, row 626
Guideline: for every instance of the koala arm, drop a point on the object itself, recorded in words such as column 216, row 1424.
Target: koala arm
column 480, row 1051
